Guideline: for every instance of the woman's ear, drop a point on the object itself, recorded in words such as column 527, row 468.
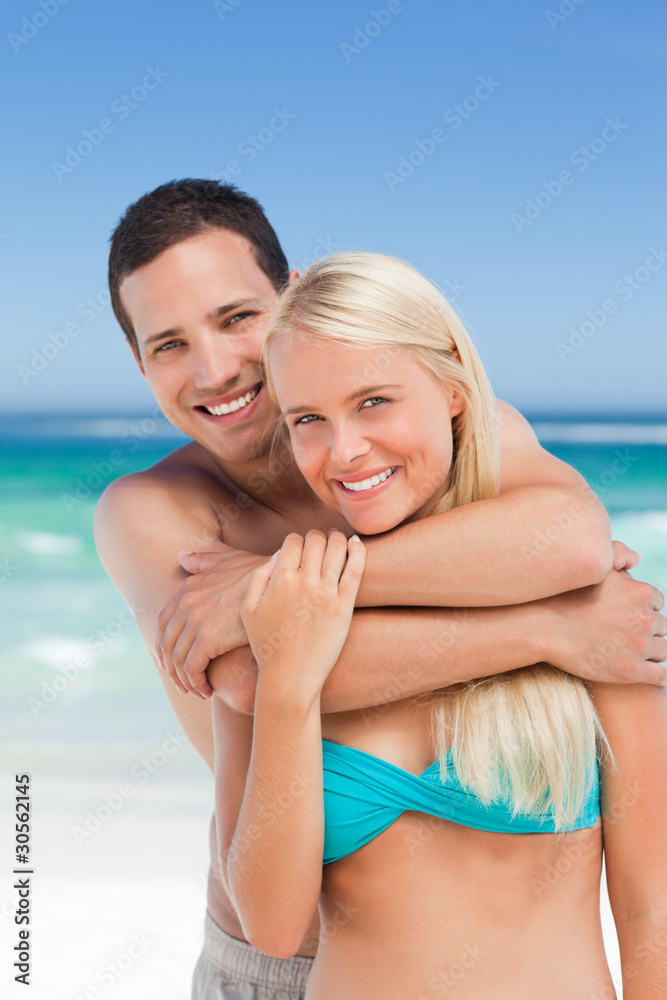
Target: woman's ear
column 457, row 404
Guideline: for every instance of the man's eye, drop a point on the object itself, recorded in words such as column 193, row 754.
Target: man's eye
column 169, row 344
column 238, row 316
column 308, row 419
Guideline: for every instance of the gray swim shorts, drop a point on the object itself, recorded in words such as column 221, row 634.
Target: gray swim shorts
column 229, row 969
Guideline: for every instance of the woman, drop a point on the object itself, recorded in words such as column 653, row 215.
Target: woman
column 463, row 838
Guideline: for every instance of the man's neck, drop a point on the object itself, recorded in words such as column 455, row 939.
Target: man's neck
column 272, row 478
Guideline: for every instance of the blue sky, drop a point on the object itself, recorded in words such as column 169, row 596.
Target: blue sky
column 513, row 151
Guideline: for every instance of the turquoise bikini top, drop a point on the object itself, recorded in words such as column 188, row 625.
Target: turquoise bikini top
column 363, row 795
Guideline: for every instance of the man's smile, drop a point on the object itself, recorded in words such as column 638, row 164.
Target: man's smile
column 239, row 403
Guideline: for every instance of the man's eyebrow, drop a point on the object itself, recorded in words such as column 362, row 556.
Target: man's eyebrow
column 234, row 306
column 366, row 391
column 213, row 315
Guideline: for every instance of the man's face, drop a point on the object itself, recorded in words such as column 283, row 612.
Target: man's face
column 200, row 312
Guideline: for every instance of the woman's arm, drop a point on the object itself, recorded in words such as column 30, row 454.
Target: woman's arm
column 273, row 866
column 274, row 863
column 634, row 815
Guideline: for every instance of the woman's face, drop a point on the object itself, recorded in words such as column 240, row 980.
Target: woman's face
column 370, row 428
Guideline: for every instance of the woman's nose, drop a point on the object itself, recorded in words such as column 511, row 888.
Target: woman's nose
column 346, row 446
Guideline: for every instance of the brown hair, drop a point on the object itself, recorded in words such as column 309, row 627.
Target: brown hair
column 177, row 211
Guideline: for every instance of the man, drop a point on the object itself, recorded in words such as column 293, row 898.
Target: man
column 195, row 270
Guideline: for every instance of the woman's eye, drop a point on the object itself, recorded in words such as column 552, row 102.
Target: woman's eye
column 373, row 401
column 308, row 419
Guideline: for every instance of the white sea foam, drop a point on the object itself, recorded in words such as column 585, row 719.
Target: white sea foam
column 56, row 650
column 654, row 520
column 651, row 520
column 41, row 543
column 140, row 427
column 601, row 433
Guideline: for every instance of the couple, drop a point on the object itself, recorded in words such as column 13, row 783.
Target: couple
column 430, row 888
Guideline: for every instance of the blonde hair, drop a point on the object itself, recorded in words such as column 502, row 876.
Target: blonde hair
column 529, row 737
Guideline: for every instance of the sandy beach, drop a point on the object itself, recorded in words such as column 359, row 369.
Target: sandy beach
column 117, row 910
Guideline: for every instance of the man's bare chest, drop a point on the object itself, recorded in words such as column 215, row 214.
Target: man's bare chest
column 245, row 523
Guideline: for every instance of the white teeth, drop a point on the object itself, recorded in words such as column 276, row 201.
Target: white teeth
column 236, row 404
column 366, row 484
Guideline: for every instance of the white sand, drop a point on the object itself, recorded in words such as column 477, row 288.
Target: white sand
column 118, row 915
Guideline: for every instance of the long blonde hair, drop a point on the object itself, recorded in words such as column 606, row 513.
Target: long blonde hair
column 529, row 736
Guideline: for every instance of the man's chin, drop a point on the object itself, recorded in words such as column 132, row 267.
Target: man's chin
column 235, row 448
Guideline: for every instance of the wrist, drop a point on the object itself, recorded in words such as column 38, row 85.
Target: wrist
column 544, row 633
column 288, row 696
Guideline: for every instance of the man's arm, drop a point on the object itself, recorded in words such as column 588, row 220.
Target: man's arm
column 140, row 524
column 610, row 632
column 546, row 533
column 141, row 521
column 634, row 828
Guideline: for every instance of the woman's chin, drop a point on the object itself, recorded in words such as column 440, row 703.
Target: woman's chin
column 372, row 525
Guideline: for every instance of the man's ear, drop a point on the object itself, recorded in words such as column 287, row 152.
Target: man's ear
column 293, row 275
column 135, row 355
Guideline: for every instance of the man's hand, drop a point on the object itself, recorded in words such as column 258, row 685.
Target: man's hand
column 612, row 632
column 625, row 558
column 203, row 619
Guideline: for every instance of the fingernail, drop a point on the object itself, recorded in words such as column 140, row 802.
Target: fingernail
column 355, row 538
column 274, row 555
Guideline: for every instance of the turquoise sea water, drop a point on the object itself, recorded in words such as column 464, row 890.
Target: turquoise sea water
column 58, row 605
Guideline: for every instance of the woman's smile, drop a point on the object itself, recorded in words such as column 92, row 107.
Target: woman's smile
column 366, row 485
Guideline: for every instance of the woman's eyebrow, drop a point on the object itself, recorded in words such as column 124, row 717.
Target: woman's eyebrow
column 350, row 399
column 372, row 388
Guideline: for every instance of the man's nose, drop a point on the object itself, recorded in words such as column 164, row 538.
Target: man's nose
column 347, row 445
column 215, row 364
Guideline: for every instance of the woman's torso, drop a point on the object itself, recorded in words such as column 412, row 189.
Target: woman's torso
column 430, row 908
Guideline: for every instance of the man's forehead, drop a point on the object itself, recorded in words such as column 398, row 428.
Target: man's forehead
column 219, row 253
column 205, row 273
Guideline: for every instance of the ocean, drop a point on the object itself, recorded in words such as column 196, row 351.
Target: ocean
column 82, row 706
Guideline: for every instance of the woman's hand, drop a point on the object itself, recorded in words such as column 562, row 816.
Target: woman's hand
column 298, row 607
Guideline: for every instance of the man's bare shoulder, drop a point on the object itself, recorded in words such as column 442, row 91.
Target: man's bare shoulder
column 178, row 494
column 525, row 462
column 173, row 483
column 514, row 431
